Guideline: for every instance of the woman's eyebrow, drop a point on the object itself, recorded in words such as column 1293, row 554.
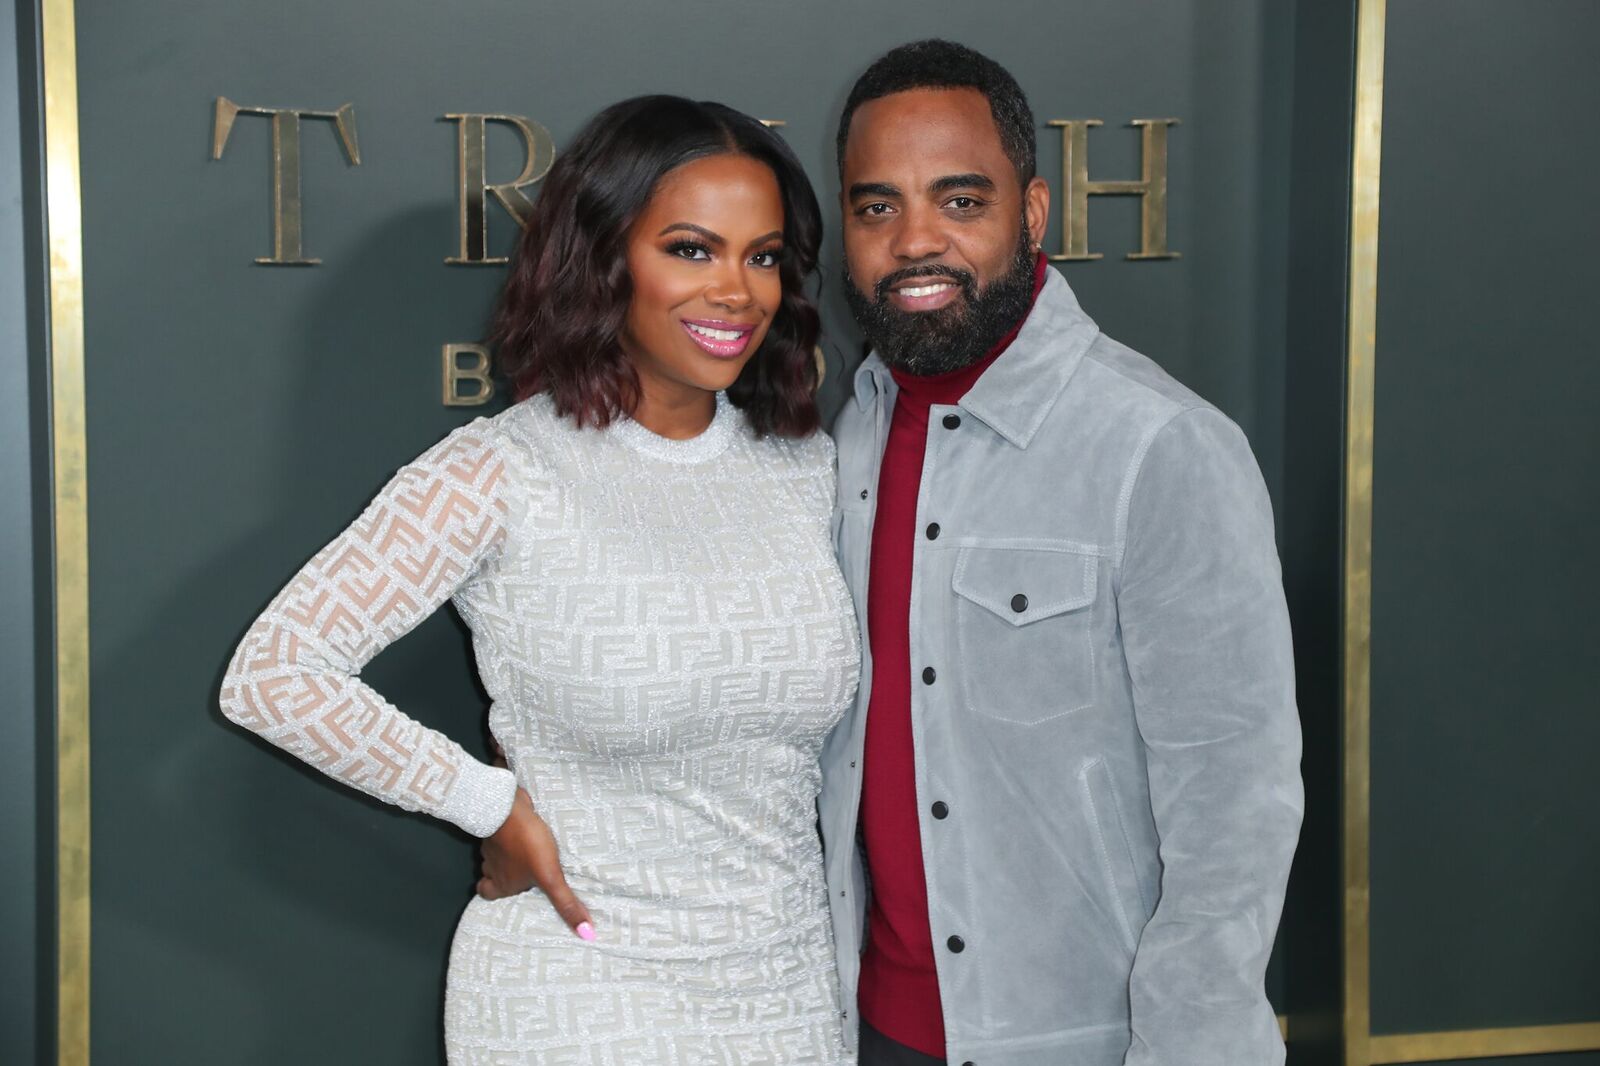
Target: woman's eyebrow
column 714, row 238
column 775, row 235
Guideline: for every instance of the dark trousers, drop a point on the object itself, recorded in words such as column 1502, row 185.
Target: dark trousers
column 879, row 1050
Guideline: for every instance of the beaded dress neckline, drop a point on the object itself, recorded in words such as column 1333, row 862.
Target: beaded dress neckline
column 708, row 444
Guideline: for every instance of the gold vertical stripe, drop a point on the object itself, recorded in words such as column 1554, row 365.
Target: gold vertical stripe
column 64, row 217
column 1363, row 310
column 1361, row 1047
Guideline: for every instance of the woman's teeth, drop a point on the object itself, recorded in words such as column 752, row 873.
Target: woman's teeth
column 717, row 334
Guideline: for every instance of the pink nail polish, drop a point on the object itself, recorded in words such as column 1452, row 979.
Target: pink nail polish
column 585, row 931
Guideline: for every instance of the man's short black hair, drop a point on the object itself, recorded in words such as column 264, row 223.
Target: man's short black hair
column 937, row 64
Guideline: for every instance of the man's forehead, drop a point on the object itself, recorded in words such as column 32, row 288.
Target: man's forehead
column 924, row 131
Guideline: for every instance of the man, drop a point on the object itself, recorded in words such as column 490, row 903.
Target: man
column 1072, row 769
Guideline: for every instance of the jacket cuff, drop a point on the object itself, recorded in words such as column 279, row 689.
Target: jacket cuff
column 480, row 800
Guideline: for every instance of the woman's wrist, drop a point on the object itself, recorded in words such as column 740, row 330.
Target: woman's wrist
column 480, row 798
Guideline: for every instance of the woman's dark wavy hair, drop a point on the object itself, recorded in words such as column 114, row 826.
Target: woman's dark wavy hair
column 559, row 323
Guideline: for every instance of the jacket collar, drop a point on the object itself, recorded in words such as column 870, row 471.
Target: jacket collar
column 1015, row 394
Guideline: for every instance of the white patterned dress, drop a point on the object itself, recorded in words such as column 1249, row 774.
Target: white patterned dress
column 667, row 639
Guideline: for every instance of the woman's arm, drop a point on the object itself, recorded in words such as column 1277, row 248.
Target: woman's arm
column 295, row 676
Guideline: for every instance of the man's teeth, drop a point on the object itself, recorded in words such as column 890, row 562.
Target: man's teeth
column 716, row 334
column 925, row 290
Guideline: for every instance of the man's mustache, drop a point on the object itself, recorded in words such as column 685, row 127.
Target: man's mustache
column 969, row 287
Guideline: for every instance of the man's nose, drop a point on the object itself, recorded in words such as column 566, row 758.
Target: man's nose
column 919, row 235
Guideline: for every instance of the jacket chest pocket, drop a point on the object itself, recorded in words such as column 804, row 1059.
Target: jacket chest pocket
column 1023, row 632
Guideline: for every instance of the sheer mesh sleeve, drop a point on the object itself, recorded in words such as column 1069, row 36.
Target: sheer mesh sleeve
column 294, row 678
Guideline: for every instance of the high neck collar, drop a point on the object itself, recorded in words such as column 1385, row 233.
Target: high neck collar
column 707, row 444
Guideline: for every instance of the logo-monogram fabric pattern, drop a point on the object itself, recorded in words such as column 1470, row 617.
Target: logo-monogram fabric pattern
column 667, row 640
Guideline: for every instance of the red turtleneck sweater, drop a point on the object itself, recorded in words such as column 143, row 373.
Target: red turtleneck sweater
column 899, row 991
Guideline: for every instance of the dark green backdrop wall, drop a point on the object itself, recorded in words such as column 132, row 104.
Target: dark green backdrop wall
column 1485, row 800
column 21, row 841
column 246, row 910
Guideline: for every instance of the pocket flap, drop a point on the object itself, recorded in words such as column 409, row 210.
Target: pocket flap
column 1025, row 585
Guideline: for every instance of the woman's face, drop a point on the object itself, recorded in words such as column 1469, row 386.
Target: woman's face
column 703, row 258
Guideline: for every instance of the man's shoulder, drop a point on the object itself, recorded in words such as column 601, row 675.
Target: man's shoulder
column 1134, row 385
column 1116, row 407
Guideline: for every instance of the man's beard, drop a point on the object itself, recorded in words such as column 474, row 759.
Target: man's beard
column 955, row 336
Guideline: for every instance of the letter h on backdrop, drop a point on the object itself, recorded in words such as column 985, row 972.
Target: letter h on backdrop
column 1076, row 188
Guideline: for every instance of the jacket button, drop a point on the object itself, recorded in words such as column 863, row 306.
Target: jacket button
column 928, row 675
column 956, row 944
column 952, row 421
column 940, row 810
column 863, row 494
column 933, row 531
column 1019, row 603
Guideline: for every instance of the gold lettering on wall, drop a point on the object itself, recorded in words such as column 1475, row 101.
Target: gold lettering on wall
column 475, row 188
column 287, row 203
column 475, row 370
column 1076, row 188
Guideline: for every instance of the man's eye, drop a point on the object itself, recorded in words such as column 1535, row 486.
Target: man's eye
column 876, row 209
column 963, row 203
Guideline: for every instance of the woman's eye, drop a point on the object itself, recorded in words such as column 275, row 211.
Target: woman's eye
column 689, row 250
column 766, row 259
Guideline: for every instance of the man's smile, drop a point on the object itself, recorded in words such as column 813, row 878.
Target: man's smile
column 923, row 294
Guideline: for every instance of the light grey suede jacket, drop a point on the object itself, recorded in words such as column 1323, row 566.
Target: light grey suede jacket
column 1111, row 728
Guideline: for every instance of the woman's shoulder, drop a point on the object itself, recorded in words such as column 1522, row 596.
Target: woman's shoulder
column 530, row 425
column 471, row 443
column 535, row 410
column 810, row 454
column 490, row 443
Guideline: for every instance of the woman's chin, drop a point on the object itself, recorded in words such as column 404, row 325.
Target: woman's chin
column 718, row 376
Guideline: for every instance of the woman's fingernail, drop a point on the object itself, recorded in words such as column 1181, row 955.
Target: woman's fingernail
column 585, row 930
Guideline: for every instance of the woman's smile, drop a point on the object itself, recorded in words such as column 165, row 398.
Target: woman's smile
column 724, row 340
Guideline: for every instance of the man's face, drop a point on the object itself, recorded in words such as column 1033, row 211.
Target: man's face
column 939, row 234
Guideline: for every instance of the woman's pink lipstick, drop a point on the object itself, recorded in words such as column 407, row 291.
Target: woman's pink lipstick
column 725, row 340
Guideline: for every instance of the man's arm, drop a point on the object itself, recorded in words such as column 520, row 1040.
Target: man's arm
column 1206, row 636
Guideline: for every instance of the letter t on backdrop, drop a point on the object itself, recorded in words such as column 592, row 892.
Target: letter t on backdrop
column 287, row 219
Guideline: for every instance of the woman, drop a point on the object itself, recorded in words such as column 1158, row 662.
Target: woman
column 640, row 547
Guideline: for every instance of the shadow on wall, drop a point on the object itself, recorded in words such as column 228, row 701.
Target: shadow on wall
column 237, row 864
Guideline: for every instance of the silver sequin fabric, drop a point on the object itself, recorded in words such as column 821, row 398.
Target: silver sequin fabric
column 666, row 639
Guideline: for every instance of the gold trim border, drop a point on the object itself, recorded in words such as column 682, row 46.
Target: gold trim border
column 69, row 515
column 1371, row 16
column 1484, row 1043
column 64, row 212
column 1361, row 1046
